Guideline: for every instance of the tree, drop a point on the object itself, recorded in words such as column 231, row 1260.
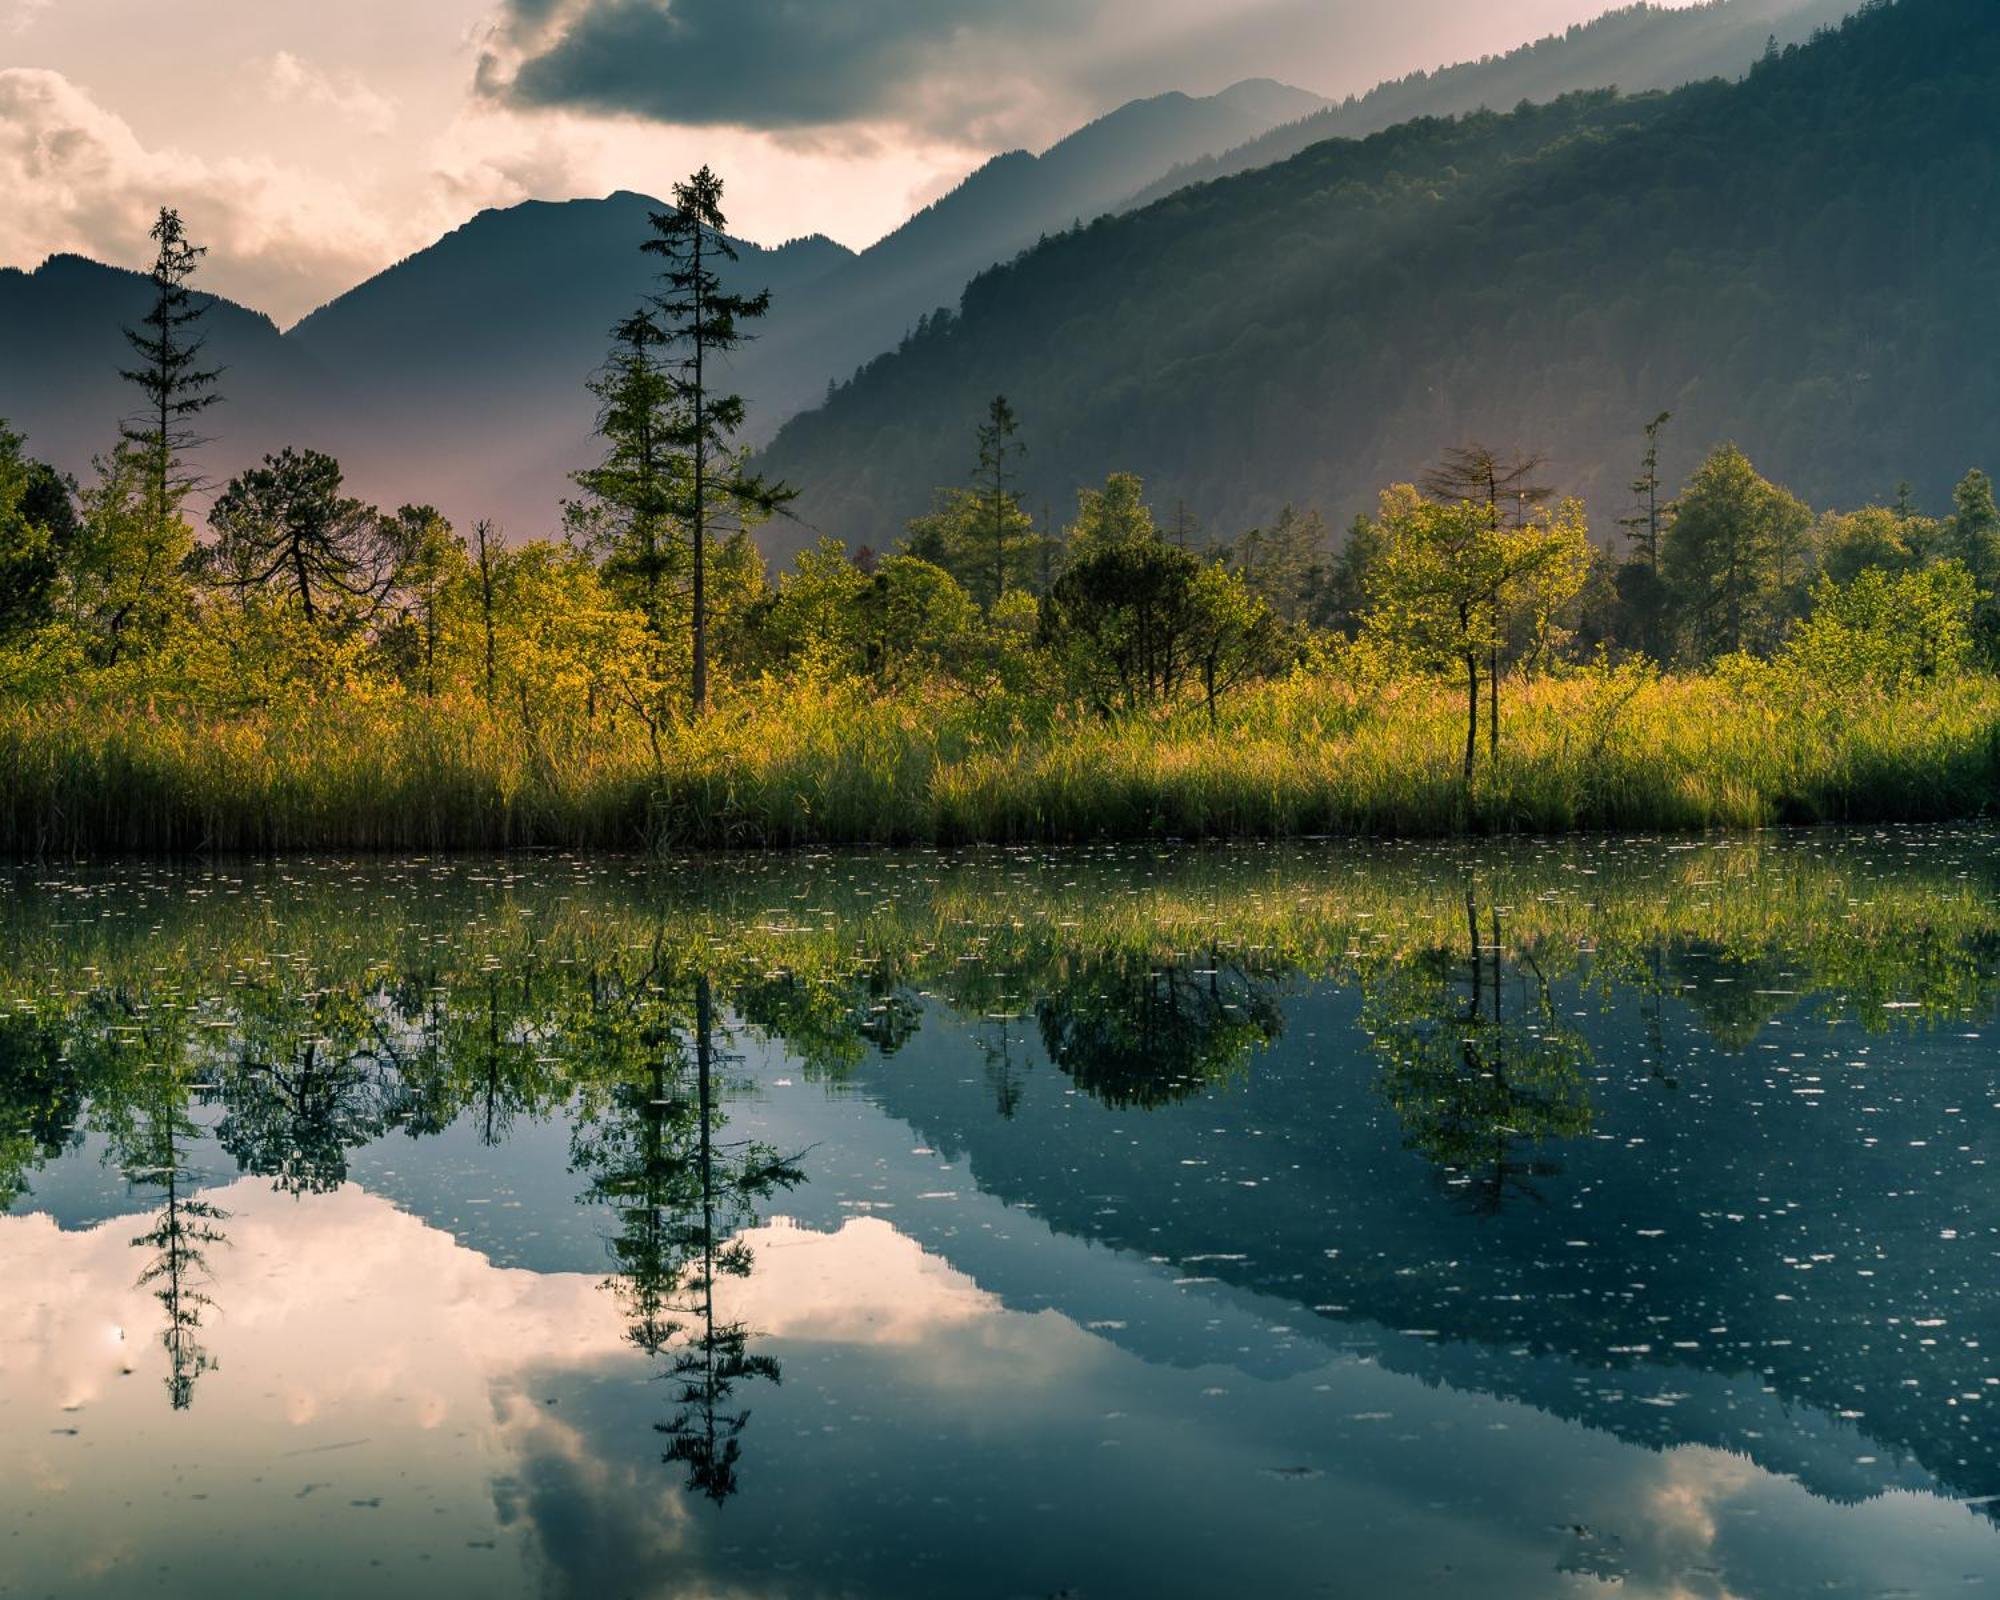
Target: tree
column 1006, row 524
column 431, row 565
column 1507, row 487
column 37, row 531
column 1734, row 556
column 286, row 526
column 1285, row 564
column 627, row 513
column 1887, row 628
column 1973, row 532
column 1341, row 600
column 175, row 389
column 1237, row 636
column 1643, row 601
column 1645, row 523
column 1117, row 514
column 1452, row 581
column 982, row 536
column 1122, row 620
column 1876, row 538
column 700, row 320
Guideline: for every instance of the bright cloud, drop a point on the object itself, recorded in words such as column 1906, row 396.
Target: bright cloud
column 77, row 178
column 293, row 81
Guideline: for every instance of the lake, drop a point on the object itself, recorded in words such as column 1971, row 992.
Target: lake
column 1601, row 1216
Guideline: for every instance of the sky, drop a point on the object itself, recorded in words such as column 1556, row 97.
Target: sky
column 310, row 143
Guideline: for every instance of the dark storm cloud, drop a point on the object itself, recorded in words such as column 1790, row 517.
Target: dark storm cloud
column 759, row 63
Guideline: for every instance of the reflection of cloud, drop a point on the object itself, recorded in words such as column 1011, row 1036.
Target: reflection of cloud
column 496, row 1420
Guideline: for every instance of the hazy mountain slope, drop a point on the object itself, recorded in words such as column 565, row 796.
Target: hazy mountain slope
column 457, row 375
column 63, row 350
column 1804, row 261
column 1635, row 48
column 1000, row 210
column 473, row 352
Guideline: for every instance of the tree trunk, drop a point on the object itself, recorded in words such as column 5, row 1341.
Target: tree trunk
column 1471, row 712
column 1493, row 705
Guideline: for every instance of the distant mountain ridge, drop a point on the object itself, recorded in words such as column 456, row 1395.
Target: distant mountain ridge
column 456, row 376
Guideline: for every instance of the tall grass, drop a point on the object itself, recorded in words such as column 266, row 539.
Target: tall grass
column 807, row 764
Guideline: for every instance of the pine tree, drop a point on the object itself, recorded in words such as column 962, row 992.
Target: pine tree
column 699, row 321
column 176, row 389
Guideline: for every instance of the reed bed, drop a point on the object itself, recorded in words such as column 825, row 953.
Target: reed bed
column 803, row 764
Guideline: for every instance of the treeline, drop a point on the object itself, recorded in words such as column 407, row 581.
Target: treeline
column 581, row 670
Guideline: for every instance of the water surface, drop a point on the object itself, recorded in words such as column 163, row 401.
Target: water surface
column 1606, row 1217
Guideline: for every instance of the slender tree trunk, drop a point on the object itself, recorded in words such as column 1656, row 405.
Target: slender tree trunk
column 1471, row 712
column 1493, row 704
column 700, row 592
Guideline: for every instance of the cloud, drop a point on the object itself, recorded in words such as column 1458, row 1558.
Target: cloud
column 21, row 15
column 77, row 178
column 293, row 81
column 771, row 64
column 980, row 72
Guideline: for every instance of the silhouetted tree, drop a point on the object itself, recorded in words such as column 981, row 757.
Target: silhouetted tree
column 286, row 526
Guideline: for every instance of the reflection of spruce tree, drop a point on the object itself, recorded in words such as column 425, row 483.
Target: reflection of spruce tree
column 1145, row 1035
column 182, row 1228
column 1470, row 1083
column 681, row 1197
column 705, row 1434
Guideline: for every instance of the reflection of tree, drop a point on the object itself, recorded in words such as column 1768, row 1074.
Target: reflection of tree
column 682, row 1198
column 705, row 1434
column 302, row 1089
column 41, row 1099
column 183, row 1226
column 1145, row 1035
column 1473, row 1077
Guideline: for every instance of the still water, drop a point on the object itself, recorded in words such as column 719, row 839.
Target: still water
column 1605, row 1217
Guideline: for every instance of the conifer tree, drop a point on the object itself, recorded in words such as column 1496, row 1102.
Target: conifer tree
column 700, row 321
column 175, row 389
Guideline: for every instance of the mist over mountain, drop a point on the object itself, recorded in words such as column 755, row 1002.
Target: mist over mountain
column 1803, row 261
column 1635, row 48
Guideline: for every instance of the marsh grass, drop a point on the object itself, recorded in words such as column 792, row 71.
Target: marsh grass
column 809, row 764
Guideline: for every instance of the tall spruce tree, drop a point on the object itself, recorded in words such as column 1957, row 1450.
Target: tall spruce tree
column 175, row 388
column 627, row 512
column 699, row 321
column 998, row 451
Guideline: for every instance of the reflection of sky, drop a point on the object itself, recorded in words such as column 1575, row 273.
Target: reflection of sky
column 392, row 1413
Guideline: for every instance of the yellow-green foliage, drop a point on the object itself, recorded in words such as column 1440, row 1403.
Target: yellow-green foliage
column 776, row 764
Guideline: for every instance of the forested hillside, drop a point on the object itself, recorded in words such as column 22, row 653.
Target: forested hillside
column 1634, row 48
column 1804, row 261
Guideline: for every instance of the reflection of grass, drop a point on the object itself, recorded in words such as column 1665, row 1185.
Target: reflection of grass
column 325, row 1004
column 804, row 765
column 819, row 944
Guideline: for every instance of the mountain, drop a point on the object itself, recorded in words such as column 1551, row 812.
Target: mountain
column 477, row 347
column 60, row 328
column 456, row 376
column 1635, row 48
column 1803, row 260
column 1000, row 210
